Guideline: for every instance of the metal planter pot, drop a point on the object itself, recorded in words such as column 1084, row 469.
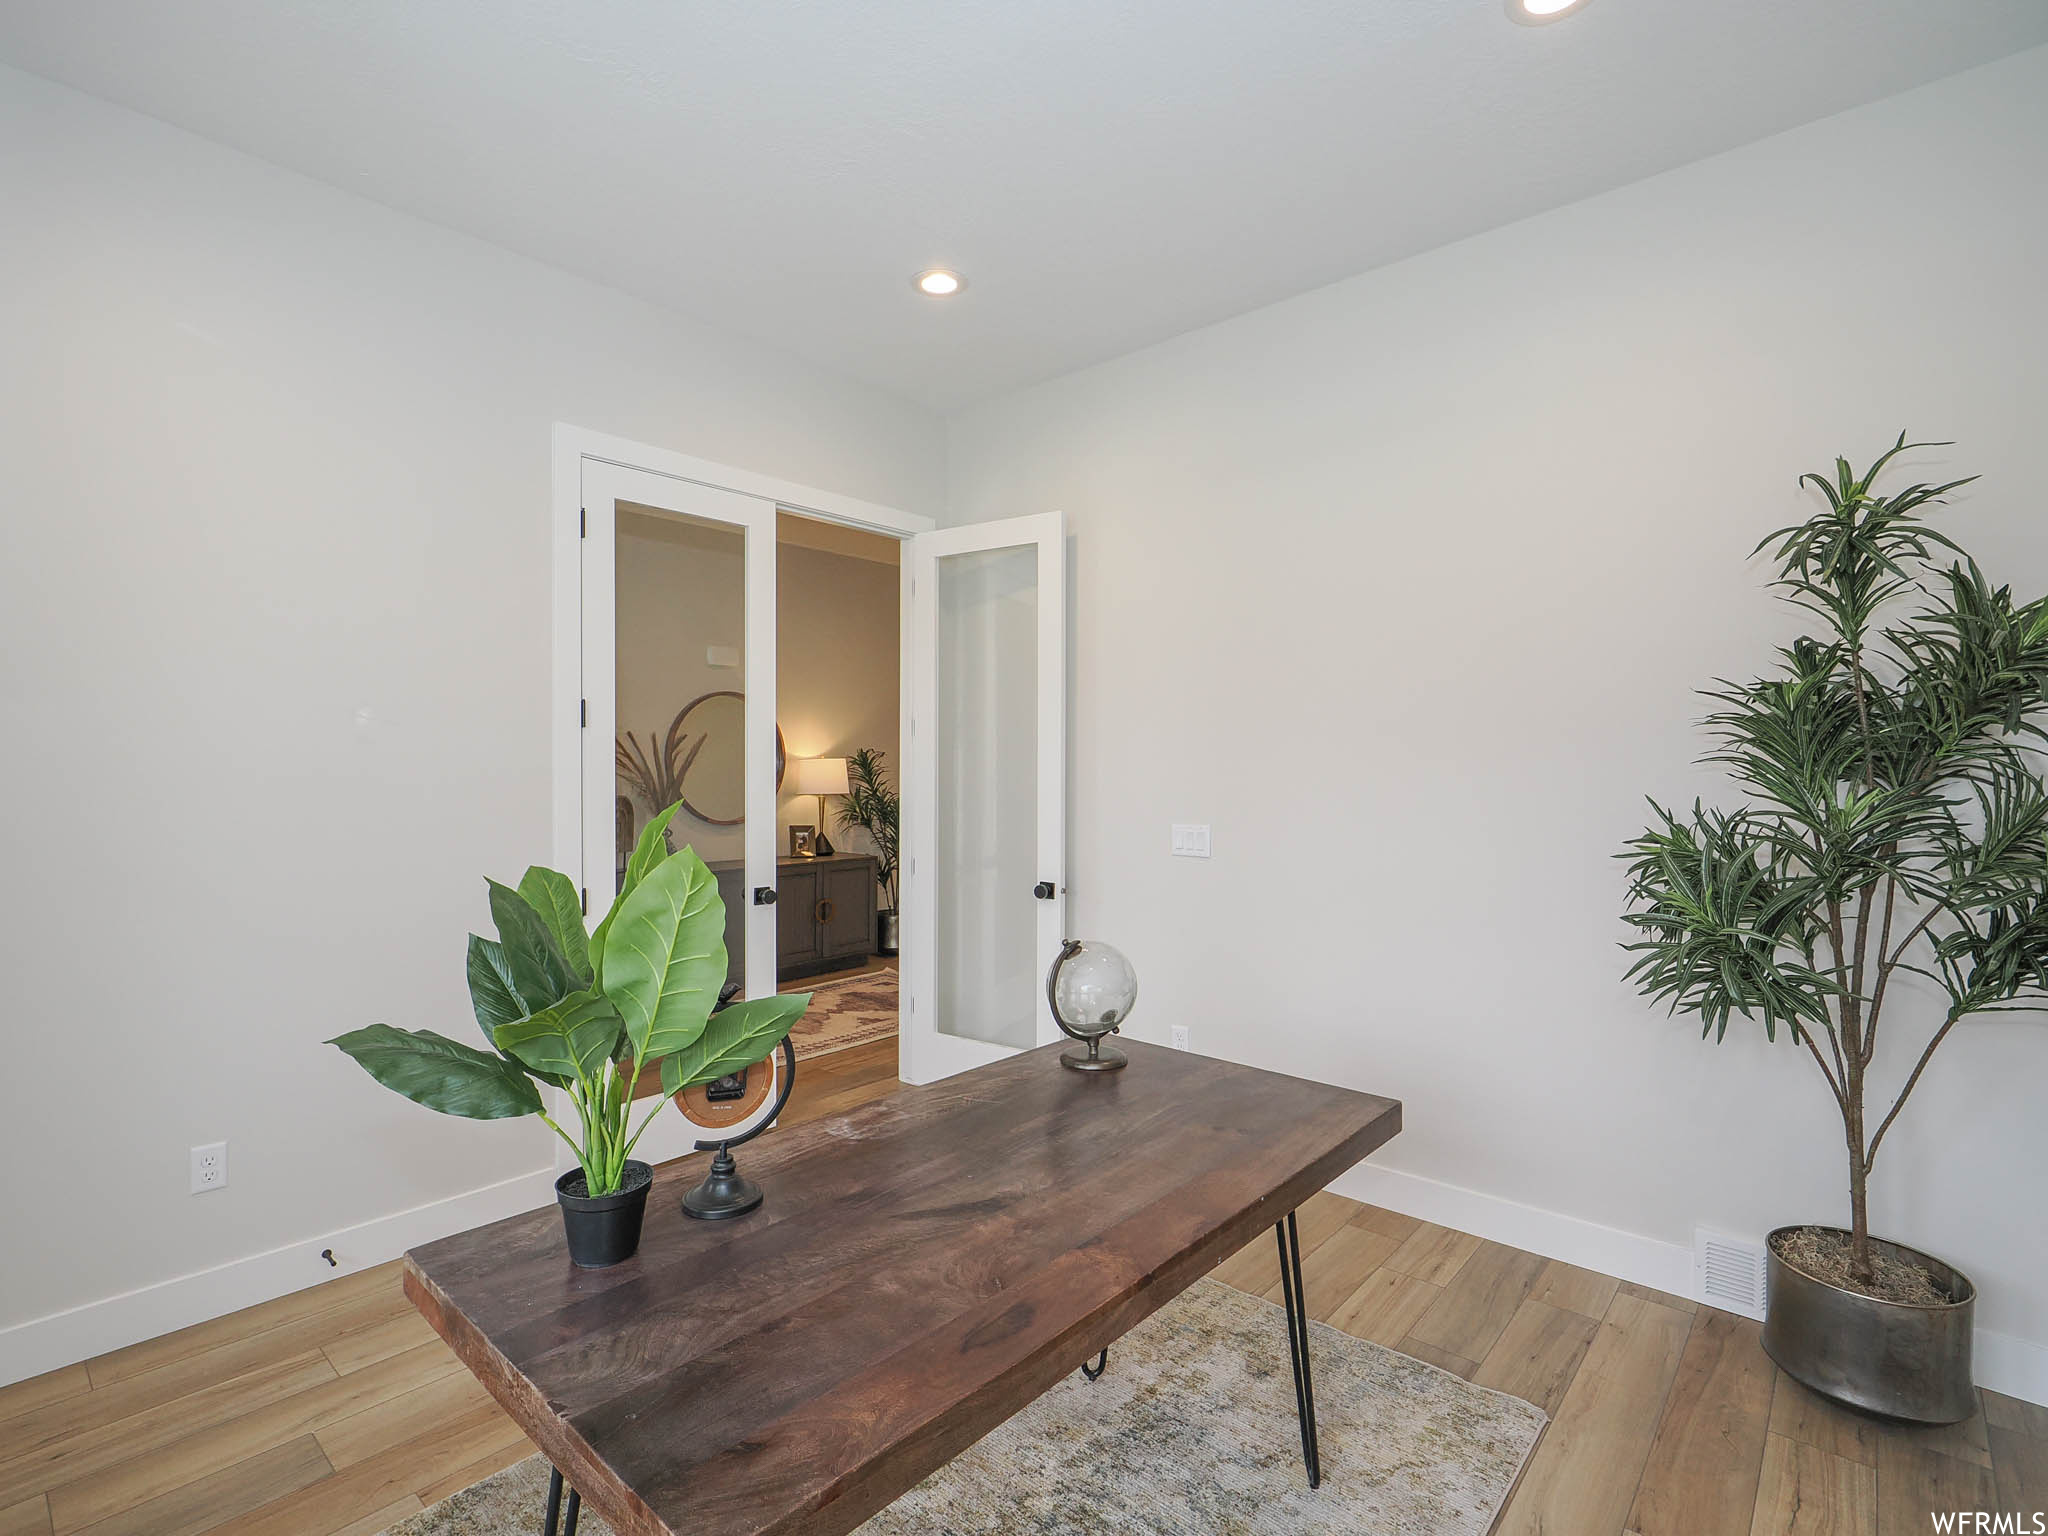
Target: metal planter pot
column 886, row 927
column 1886, row 1357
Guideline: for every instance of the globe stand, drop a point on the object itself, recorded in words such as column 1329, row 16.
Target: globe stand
column 1092, row 1019
column 723, row 1194
column 1096, row 1057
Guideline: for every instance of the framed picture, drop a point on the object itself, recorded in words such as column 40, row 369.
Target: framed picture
column 803, row 842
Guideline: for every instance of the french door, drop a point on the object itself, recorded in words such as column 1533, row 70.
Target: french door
column 984, row 802
column 704, row 559
column 982, row 746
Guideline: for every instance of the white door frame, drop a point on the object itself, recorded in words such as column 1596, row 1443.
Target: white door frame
column 572, row 447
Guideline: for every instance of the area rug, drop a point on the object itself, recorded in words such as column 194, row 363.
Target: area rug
column 1191, row 1432
column 849, row 1011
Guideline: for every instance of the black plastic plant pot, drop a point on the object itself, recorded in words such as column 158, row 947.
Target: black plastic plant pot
column 603, row 1229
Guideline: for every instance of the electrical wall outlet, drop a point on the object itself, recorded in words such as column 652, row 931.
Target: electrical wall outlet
column 1180, row 1038
column 209, row 1167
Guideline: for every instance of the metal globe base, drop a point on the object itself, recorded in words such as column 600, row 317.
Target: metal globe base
column 723, row 1194
column 1094, row 1057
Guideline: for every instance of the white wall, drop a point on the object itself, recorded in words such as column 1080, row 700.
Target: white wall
column 1404, row 585
column 275, row 636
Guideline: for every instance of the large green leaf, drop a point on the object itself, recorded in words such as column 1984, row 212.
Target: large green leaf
column 570, row 1039
column 664, row 956
column 541, row 975
column 550, row 893
column 491, row 991
column 736, row 1036
column 433, row 1070
column 652, row 849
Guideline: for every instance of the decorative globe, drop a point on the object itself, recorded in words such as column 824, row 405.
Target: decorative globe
column 1092, row 989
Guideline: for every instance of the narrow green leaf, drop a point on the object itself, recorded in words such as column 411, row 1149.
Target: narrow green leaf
column 647, row 853
column 736, row 1036
column 570, row 1039
column 551, row 893
column 491, row 992
column 541, row 975
column 651, row 851
column 437, row 1072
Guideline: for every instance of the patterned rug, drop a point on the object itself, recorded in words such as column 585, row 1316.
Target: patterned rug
column 1191, row 1432
column 848, row 1011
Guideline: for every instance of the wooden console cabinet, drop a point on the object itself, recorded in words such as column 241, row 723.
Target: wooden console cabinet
column 824, row 913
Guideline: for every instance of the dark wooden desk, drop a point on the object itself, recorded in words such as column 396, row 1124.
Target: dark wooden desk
column 924, row 1267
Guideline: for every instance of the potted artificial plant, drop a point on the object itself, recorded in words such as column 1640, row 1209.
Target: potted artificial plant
column 587, row 1014
column 1895, row 826
column 872, row 804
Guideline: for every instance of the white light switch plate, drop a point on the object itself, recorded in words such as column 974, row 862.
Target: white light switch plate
column 1190, row 842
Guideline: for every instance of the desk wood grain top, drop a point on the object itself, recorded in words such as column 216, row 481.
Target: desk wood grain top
column 924, row 1267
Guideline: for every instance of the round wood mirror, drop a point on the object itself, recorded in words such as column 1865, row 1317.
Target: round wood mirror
column 715, row 789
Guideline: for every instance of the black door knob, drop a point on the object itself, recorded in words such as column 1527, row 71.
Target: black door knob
column 1044, row 890
column 764, row 895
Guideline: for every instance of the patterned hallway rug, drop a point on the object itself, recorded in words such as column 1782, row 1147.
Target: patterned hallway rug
column 1190, row 1433
column 849, row 1011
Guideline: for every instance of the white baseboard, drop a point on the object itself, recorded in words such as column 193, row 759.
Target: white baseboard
column 78, row 1333
column 1609, row 1250
column 2014, row 1366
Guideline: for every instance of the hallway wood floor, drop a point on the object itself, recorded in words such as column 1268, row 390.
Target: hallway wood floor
column 335, row 1411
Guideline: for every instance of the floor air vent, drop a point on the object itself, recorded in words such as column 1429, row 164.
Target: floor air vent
column 1730, row 1271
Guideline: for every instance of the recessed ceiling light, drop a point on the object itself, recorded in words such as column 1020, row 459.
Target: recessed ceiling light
column 1535, row 13
column 940, row 283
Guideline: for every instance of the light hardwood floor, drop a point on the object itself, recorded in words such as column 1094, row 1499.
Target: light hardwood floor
column 336, row 1411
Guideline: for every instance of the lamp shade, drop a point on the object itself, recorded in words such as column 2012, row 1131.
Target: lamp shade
column 816, row 776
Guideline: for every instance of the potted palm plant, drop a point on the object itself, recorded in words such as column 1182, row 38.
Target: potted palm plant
column 1895, row 825
column 872, row 805
column 587, row 1014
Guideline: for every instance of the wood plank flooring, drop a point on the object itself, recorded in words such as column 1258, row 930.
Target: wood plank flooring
column 334, row 1411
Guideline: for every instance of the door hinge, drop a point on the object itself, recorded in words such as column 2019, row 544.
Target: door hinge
column 586, row 901
column 583, row 522
column 583, row 711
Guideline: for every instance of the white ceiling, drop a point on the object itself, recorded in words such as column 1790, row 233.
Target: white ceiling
column 1106, row 172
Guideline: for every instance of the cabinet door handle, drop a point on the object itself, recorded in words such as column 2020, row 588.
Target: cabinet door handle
column 824, row 913
column 764, row 895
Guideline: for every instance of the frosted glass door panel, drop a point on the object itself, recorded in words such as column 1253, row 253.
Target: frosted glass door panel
column 986, row 789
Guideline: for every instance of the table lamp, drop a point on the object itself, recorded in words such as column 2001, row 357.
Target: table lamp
column 820, row 776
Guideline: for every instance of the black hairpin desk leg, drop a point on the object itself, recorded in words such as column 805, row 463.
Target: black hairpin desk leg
column 1094, row 1372
column 1289, row 1237
column 553, row 1523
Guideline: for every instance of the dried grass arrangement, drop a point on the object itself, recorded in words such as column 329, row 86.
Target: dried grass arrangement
column 655, row 777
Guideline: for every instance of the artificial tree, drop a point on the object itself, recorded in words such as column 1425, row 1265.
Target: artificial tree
column 1896, row 821
column 873, row 805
